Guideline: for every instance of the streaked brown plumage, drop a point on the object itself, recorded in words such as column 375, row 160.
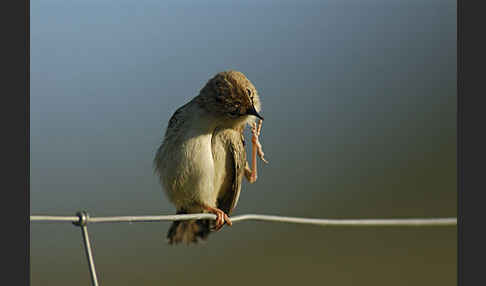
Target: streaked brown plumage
column 202, row 159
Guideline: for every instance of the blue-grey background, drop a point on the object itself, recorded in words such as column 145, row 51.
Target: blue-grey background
column 359, row 99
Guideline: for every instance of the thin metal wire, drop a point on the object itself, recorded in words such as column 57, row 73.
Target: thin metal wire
column 89, row 255
column 82, row 222
column 82, row 219
column 450, row 221
column 351, row 222
column 54, row 218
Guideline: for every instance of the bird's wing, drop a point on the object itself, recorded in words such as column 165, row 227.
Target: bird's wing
column 176, row 120
column 235, row 167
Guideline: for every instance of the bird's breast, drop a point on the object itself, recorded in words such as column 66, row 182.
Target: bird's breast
column 187, row 169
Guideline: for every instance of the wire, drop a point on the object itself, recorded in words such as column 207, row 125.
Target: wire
column 257, row 217
column 83, row 219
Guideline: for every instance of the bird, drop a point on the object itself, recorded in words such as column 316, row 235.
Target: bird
column 202, row 160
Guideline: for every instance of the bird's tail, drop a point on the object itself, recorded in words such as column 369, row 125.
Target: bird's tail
column 188, row 231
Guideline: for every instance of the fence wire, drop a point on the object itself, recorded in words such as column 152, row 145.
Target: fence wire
column 82, row 219
column 257, row 217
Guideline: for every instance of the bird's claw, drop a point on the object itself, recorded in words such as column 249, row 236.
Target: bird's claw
column 255, row 131
column 221, row 218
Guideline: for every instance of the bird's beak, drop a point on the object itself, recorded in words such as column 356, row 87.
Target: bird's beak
column 252, row 111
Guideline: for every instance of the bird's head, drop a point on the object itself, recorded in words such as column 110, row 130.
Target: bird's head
column 231, row 96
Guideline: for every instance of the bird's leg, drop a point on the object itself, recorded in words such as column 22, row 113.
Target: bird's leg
column 251, row 174
column 221, row 217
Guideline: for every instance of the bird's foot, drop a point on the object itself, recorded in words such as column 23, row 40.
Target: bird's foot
column 221, row 217
column 255, row 131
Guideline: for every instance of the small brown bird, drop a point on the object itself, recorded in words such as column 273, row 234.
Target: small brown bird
column 202, row 159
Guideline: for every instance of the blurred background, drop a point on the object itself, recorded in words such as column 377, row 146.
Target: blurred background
column 359, row 100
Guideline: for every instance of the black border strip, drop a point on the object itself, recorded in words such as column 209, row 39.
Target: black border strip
column 14, row 121
column 459, row 143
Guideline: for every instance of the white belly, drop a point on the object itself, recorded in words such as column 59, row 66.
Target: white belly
column 187, row 171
